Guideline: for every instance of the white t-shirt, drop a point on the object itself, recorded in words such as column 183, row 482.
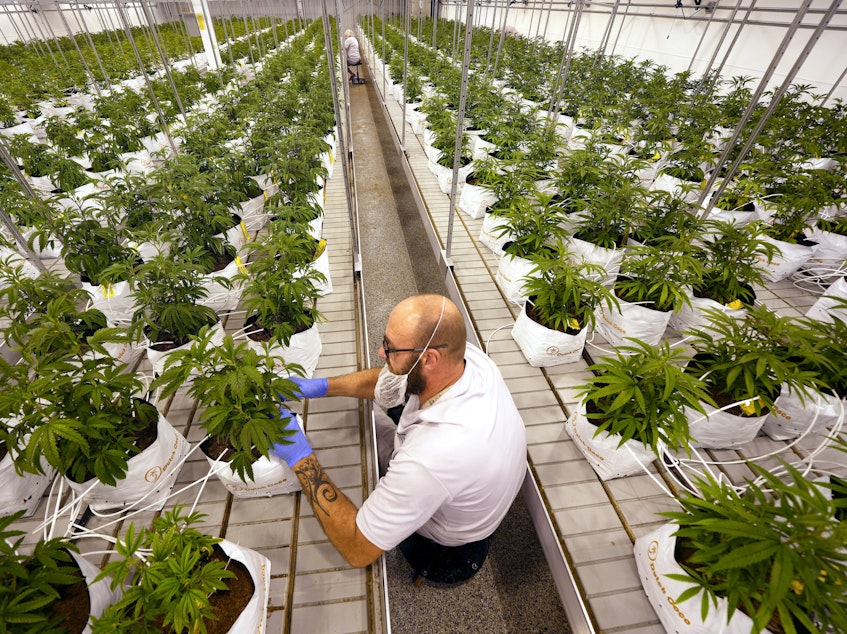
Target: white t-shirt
column 457, row 465
column 351, row 47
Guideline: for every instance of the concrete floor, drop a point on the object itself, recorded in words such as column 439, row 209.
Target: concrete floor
column 514, row 591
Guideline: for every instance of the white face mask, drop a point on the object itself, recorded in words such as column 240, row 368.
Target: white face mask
column 390, row 388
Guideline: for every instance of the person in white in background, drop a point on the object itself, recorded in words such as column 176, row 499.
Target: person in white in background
column 459, row 449
column 351, row 50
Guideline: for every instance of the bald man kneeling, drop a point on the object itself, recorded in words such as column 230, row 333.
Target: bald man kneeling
column 459, row 448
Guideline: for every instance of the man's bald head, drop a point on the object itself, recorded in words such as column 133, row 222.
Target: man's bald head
column 419, row 315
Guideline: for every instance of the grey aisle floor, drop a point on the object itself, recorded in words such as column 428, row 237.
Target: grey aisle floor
column 514, row 591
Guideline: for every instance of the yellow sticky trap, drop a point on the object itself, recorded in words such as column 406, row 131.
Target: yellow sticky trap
column 573, row 323
column 240, row 264
column 749, row 407
column 735, row 304
column 657, row 156
column 321, row 248
column 244, row 230
column 331, row 156
column 324, row 195
column 265, row 194
column 108, row 290
column 703, row 184
column 201, row 22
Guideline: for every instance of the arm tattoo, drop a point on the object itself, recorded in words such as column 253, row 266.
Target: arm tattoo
column 316, row 484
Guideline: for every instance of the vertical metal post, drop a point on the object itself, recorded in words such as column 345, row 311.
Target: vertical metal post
column 620, row 28
column 382, row 8
column 774, row 102
column 83, row 25
column 460, row 129
column 407, row 27
column 345, row 85
column 703, row 36
column 49, row 28
column 491, row 38
column 564, row 67
column 734, row 40
column 76, row 46
column 140, row 61
column 166, row 64
column 502, row 39
column 342, row 150
column 608, row 32
column 834, row 86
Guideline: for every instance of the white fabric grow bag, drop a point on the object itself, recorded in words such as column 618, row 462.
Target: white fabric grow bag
column 490, row 233
column 253, row 215
column 603, row 452
column 677, row 187
column 827, row 306
column 150, row 477
column 157, row 358
column 792, row 417
column 220, row 298
column 304, row 349
column 828, row 255
column 696, row 316
column 254, row 616
column 609, row 259
column 115, row 301
column 445, row 175
column 721, row 430
column 22, row 492
column 543, row 347
column 321, row 265
column 788, row 261
column 52, row 248
column 271, row 476
column 475, row 199
column 27, row 268
column 100, row 594
column 654, row 558
column 632, row 321
column 512, row 272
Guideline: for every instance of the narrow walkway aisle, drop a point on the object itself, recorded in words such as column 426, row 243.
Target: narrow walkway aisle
column 514, row 591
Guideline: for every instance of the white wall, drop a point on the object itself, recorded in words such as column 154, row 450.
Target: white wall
column 670, row 36
column 16, row 24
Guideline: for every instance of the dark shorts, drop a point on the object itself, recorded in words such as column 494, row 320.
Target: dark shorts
column 444, row 564
column 351, row 64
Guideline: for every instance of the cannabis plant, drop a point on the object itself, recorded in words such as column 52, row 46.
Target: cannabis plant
column 773, row 549
column 167, row 574
column 237, row 387
column 30, row 585
column 641, row 393
column 659, row 275
column 563, row 294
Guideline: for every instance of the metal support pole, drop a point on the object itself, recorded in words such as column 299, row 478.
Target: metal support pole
column 345, row 85
column 52, row 33
column 330, row 60
column 83, row 25
column 407, row 27
column 774, row 102
column 608, row 32
column 703, row 36
column 502, row 39
column 12, row 164
column 460, row 129
column 31, row 255
column 163, row 56
column 76, row 46
column 140, row 61
column 834, row 86
column 564, row 67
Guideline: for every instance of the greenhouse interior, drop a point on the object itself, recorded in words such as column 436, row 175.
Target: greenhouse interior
column 544, row 165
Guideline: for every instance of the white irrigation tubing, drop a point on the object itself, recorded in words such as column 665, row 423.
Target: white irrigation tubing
column 817, row 280
column 494, row 332
column 809, row 460
column 74, row 505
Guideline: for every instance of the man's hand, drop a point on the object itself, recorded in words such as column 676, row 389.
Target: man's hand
column 307, row 388
column 295, row 447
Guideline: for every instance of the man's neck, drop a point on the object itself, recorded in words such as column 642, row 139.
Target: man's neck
column 439, row 385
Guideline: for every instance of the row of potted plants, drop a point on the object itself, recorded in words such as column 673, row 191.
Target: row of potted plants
column 75, row 406
column 746, row 357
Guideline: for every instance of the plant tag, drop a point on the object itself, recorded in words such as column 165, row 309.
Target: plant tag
column 244, row 231
column 108, row 290
column 748, row 407
column 703, row 184
column 573, row 323
column 735, row 304
column 321, row 248
column 240, row 264
column 265, row 194
column 331, row 156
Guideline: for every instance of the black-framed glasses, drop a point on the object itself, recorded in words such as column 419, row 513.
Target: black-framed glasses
column 388, row 350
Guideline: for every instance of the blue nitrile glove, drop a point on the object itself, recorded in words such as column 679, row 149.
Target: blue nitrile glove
column 295, row 447
column 307, row 388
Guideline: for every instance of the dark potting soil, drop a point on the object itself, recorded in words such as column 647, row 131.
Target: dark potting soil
column 533, row 315
column 73, row 605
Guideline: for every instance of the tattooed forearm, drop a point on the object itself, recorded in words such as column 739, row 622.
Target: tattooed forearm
column 317, row 486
